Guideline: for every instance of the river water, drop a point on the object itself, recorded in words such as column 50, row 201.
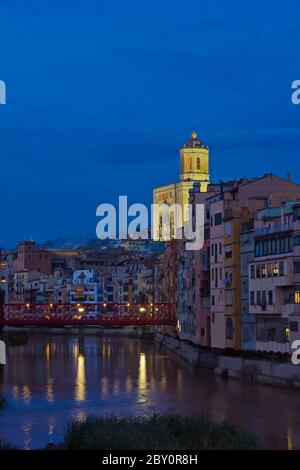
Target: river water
column 56, row 378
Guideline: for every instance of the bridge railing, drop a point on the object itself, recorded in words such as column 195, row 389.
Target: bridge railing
column 86, row 312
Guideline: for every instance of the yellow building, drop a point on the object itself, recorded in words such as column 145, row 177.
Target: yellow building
column 194, row 167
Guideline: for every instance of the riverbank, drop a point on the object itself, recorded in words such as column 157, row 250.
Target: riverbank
column 254, row 370
column 134, row 332
column 157, row 432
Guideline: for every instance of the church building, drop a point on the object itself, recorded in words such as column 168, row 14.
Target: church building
column 194, row 167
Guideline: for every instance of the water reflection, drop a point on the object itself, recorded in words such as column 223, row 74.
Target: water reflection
column 26, row 393
column 54, row 379
column 80, row 379
column 50, row 390
column 142, row 379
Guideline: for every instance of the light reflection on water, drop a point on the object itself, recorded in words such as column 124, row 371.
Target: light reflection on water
column 54, row 379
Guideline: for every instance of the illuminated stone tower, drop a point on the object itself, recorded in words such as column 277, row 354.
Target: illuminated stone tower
column 194, row 167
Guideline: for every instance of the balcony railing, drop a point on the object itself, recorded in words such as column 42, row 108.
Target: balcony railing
column 274, row 229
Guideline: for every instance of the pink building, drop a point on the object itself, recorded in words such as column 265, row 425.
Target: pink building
column 274, row 277
column 30, row 258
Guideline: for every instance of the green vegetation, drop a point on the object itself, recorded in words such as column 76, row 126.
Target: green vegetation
column 158, row 432
column 6, row 445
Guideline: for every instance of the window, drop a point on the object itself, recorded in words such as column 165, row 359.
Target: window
column 287, row 335
column 263, row 298
column 212, row 250
column 228, row 297
column 229, row 328
column 252, row 298
column 252, row 271
column 228, row 229
column 258, row 271
column 269, row 270
column 228, row 252
column 281, row 268
column 270, row 297
column 297, row 297
column 275, row 269
column 263, row 270
column 297, row 240
column 297, row 267
column 213, row 301
column 218, row 218
column 294, row 326
column 220, row 248
column 273, row 247
column 257, row 249
column 198, row 163
column 258, row 299
column 272, row 334
column 265, row 248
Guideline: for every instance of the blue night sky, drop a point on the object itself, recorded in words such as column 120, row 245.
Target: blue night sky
column 101, row 95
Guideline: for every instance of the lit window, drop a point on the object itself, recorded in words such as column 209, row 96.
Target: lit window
column 287, row 334
column 297, row 297
column 275, row 270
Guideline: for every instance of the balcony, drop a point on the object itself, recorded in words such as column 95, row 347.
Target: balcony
column 290, row 309
column 263, row 308
column 274, row 229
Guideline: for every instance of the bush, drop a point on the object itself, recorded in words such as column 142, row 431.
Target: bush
column 158, row 432
column 4, row 445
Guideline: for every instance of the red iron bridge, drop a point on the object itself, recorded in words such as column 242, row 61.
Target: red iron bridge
column 18, row 314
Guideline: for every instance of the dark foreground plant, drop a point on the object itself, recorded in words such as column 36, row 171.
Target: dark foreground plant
column 172, row 432
column 7, row 446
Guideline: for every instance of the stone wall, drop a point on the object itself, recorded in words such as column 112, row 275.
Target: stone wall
column 261, row 371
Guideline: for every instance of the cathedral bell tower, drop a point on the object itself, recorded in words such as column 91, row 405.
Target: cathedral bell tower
column 194, row 167
column 194, row 162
